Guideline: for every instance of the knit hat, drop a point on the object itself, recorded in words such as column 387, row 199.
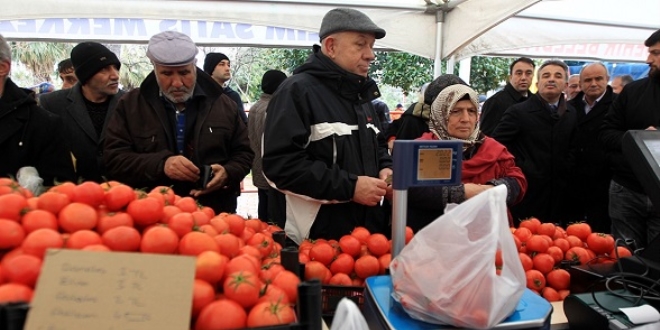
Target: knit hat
column 271, row 80
column 346, row 19
column 171, row 48
column 89, row 58
column 211, row 61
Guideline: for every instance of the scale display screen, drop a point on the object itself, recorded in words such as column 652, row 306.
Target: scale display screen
column 426, row 163
column 434, row 163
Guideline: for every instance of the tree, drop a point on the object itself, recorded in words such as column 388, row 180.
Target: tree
column 135, row 66
column 40, row 57
column 487, row 73
column 403, row 70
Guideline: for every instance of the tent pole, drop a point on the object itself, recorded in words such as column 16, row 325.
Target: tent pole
column 437, row 64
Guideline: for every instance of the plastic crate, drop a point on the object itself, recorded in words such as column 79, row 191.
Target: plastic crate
column 332, row 294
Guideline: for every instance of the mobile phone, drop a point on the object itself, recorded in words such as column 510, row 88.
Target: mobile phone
column 206, row 174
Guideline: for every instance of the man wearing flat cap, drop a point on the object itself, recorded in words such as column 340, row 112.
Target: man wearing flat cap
column 218, row 65
column 320, row 142
column 175, row 126
column 87, row 105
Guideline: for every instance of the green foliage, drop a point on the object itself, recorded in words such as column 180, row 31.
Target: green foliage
column 402, row 70
column 486, row 73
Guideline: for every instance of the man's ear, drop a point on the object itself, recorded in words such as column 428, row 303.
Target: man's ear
column 328, row 46
column 5, row 67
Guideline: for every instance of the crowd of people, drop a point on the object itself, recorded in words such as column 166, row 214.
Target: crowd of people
column 319, row 143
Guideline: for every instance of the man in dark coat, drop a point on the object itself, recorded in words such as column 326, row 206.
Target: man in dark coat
column 636, row 108
column 540, row 133
column 218, row 66
column 591, row 178
column 29, row 135
column 521, row 73
column 177, row 123
column 320, row 142
column 86, row 106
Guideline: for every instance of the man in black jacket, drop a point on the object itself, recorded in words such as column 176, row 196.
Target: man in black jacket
column 540, row 133
column 29, row 135
column 521, row 73
column 320, row 142
column 86, row 107
column 636, row 108
column 592, row 174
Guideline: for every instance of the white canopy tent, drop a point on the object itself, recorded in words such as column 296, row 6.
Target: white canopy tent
column 602, row 29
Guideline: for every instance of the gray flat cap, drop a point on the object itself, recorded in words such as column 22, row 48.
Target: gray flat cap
column 171, row 48
column 347, row 19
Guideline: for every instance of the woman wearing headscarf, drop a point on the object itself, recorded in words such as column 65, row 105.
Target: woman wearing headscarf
column 486, row 163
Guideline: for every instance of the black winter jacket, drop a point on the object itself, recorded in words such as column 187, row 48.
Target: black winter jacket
column 494, row 107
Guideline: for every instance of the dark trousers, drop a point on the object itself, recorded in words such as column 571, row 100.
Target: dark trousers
column 262, row 209
column 633, row 215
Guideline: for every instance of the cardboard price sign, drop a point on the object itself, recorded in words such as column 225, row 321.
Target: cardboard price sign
column 112, row 291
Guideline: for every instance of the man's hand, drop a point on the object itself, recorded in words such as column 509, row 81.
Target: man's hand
column 181, row 169
column 386, row 174
column 217, row 181
column 369, row 191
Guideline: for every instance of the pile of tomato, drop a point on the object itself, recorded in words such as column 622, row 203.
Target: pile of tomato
column 542, row 247
column 239, row 281
column 349, row 260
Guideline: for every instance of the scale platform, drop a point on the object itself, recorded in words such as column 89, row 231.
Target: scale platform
column 383, row 312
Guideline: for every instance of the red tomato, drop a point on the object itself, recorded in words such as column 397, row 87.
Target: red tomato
column 350, row 244
column 11, row 234
column 577, row 254
column 600, row 243
column 167, row 194
column 620, row 252
column 145, row 211
column 523, row 234
column 273, row 293
column 221, row 314
column 195, row 242
column 547, row 229
column 579, row 229
column 556, row 253
column 563, row 244
column 537, row 243
column 361, row 233
column 12, row 206
column 203, row 295
column 543, row 262
column 210, row 266
column 22, row 269
column 14, row 292
column 122, row 239
column 117, row 197
column 535, row 280
column 270, row 313
column 550, row 294
column 113, row 219
column 574, row 241
column 262, row 242
column 340, row 279
column 159, row 239
column 378, row 244
column 288, row 282
column 52, row 201
column 36, row 219
column 367, row 266
column 38, row 241
column 322, row 252
column 228, row 243
column 82, row 238
column 344, row 263
column 559, row 279
column 242, row 287
column 531, row 223
column 78, row 216
column 89, row 193
column 526, row 261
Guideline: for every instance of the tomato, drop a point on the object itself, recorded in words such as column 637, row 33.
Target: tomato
column 82, row 238
column 200, row 218
column 564, row 293
column 247, row 234
column 221, row 314
column 187, row 204
column 531, row 223
column 269, row 271
column 262, row 242
column 409, row 234
column 579, row 229
column 578, row 254
column 159, row 239
column 166, row 194
column 12, row 206
column 117, row 197
column 113, row 219
column 535, row 280
column 288, row 282
column 547, row 229
column 537, row 243
column 620, row 252
column 228, row 243
column 14, row 292
column 255, row 224
column 11, row 234
column 203, row 295
column 523, row 234
column 384, row 261
column 563, row 244
column 378, row 244
column 550, row 294
column 145, row 211
column 236, row 224
column 543, row 262
column 242, row 262
column 182, row 223
column 350, row 244
column 344, row 263
column 322, row 252
column 516, row 240
column 22, row 269
column 270, row 313
column 243, row 287
column 52, row 201
column 273, row 293
column 195, row 242
column 526, row 261
column 209, row 211
column 315, row 270
column 90, row 193
column 78, row 216
column 210, row 266
column 574, row 241
column 340, row 279
column 600, row 243
column 36, row 219
column 122, row 239
column 367, row 266
column 556, row 253
column 38, row 241
column 362, row 234
column 559, row 279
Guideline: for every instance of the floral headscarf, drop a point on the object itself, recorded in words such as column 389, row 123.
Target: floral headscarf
column 442, row 106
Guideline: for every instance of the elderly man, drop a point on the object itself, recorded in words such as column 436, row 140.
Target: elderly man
column 636, row 108
column 572, row 87
column 177, row 124
column 521, row 73
column 620, row 81
column 86, row 106
column 592, row 174
column 540, row 133
column 30, row 135
column 320, row 142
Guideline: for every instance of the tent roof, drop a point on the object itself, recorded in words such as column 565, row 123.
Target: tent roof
column 471, row 27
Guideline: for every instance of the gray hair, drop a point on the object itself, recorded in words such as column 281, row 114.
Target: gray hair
column 557, row 63
column 5, row 50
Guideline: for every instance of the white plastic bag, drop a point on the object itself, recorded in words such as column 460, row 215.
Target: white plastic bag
column 447, row 274
column 348, row 317
column 28, row 178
